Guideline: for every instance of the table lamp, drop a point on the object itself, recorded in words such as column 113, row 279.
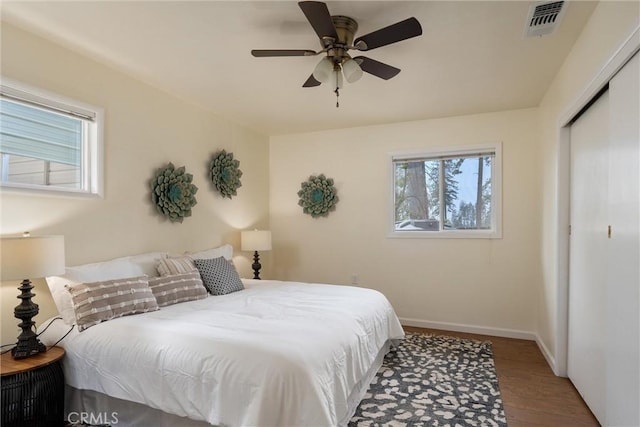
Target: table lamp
column 24, row 258
column 256, row 240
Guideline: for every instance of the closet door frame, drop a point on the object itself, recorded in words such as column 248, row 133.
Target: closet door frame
column 612, row 66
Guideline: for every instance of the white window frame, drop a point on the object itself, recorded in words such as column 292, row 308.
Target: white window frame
column 92, row 167
column 496, row 193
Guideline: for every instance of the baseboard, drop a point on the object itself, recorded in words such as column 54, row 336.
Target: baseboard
column 547, row 355
column 483, row 330
column 471, row 329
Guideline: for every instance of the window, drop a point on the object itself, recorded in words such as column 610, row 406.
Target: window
column 452, row 193
column 47, row 142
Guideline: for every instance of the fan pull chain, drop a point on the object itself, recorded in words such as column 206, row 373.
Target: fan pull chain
column 337, row 91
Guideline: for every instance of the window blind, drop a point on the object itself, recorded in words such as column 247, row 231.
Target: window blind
column 36, row 132
column 403, row 159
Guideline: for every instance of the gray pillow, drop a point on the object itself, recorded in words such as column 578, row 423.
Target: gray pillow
column 101, row 301
column 219, row 276
column 177, row 288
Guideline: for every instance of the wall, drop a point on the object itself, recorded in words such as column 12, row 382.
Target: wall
column 145, row 128
column 474, row 284
column 609, row 26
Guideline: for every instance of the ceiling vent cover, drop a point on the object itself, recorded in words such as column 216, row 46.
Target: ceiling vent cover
column 544, row 18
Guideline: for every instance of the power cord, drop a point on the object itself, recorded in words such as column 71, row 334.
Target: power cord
column 63, row 337
column 50, row 323
column 6, row 345
column 42, row 332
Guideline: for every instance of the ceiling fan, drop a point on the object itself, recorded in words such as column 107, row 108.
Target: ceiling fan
column 336, row 34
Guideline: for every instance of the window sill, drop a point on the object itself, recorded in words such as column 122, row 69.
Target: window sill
column 466, row 234
column 46, row 191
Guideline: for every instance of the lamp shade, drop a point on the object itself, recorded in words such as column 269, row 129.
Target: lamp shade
column 256, row 240
column 352, row 71
column 323, row 70
column 31, row 257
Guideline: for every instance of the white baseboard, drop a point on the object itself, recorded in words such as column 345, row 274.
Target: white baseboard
column 484, row 330
column 471, row 329
column 547, row 355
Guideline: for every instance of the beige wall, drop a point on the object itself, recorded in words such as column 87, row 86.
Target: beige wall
column 609, row 26
column 480, row 283
column 145, row 128
column 506, row 285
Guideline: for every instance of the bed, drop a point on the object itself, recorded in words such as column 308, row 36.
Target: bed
column 273, row 354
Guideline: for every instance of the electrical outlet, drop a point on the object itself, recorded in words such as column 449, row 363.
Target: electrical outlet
column 354, row 279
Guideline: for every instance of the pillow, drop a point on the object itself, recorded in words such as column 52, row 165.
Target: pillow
column 178, row 265
column 117, row 268
column 101, row 301
column 62, row 298
column 225, row 251
column 219, row 275
column 177, row 288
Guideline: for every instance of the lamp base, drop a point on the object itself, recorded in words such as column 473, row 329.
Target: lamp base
column 256, row 265
column 28, row 348
column 28, row 342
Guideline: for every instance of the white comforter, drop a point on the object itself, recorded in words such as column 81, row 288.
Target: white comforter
column 274, row 354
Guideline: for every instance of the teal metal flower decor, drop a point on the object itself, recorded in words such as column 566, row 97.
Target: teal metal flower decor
column 225, row 174
column 173, row 193
column 318, row 196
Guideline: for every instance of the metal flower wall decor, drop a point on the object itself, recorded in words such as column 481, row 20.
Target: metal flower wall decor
column 225, row 174
column 318, row 196
column 173, row 193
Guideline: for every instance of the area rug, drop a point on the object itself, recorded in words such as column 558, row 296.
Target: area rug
column 431, row 380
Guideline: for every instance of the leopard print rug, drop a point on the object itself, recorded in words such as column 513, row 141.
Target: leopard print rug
column 431, row 380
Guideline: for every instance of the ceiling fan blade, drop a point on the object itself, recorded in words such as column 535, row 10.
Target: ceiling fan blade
column 311, row 82
column 262, row 53
column 319, row 17
column 377, row 68
column 393, row 33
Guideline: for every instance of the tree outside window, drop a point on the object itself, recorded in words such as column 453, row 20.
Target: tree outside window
column 445, row 192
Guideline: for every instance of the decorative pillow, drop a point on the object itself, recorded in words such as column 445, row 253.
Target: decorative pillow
column 178, row 265
column 117, row 268
column 177, row 288
column 100, row 301
column 219, row 276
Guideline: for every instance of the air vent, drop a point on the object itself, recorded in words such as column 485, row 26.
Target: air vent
column 544, row 18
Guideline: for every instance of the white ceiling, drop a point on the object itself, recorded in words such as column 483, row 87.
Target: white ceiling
column 471, row 58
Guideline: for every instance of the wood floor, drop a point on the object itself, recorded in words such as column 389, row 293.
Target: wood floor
column 532, row 395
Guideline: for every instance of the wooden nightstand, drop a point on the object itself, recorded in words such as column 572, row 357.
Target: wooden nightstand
column 33, row 390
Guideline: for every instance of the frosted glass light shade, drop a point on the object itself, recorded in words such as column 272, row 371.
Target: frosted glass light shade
column 323, row 70
column 352, row 70
column 31, row 257
column 256, row 240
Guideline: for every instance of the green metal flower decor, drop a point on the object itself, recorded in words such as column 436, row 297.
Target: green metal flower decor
column 173, row 193
column 225, row 174
column 318, row 196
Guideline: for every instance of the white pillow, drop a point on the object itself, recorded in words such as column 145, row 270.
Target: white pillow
column 118, row 268
column 225, row 251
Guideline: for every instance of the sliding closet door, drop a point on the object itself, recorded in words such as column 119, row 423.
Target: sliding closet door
column 623, row 285
column 588, row 259
column 604, row 262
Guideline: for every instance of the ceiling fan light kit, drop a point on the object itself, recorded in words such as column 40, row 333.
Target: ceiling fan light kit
column 352, row 71
column 323, row 70
column 336, row 35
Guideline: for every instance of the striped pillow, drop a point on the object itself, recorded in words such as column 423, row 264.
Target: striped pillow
column 177, row 288
column 100, row 301
column 172, row 266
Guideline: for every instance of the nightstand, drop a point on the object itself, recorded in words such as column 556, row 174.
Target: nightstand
column 33, row 390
